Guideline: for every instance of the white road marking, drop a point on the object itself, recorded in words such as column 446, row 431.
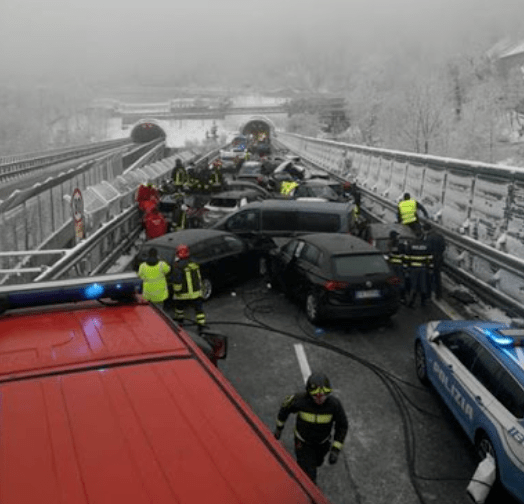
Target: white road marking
column 302, row 361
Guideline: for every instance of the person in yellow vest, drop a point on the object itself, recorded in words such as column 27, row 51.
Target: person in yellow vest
column 287, row 186
column 153, row 272
column 187, row 287
column 408, row 213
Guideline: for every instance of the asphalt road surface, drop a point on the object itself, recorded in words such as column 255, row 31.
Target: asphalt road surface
column 403, row 445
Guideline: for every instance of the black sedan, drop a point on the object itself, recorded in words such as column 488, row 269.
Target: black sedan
column 224, row 258
column 335, row 275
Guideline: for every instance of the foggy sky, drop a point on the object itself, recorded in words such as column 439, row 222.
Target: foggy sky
column 107, row 39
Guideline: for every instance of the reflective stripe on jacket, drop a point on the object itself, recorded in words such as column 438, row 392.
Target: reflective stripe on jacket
column 155, row 284
column 180, row 176
column 314, row 422
column 187, row 282
column 408, row 211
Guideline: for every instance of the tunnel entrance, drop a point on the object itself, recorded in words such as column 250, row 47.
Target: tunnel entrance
column 146, row 132
column 256, row 127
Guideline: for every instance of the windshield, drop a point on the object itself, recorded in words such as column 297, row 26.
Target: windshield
column 223, row 202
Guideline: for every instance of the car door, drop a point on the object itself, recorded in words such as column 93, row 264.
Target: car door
column 222, row 261
column 456, row 353
column 307, row 274
column 237, row 261
column 282, row 264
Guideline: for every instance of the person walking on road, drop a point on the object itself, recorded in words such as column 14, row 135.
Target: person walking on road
column 318, row 414
column 153, row 272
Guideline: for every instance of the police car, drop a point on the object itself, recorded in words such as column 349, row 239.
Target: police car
column 104, row 399
column 477, row 367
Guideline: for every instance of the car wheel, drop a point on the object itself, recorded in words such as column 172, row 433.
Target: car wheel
column 484, row 446
column 421, row 364
column 313, row 308
column 207, row 288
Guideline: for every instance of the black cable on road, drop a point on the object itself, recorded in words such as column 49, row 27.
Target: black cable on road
column 389, row 380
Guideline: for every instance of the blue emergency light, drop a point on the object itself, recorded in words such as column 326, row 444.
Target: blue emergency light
column 116, row 287
column 506, row 337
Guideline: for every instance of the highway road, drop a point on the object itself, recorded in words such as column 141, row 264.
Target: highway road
column 403, row 445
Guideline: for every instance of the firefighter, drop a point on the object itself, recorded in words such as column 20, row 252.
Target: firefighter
column 216, row 179
column 179, row 216
column 153, row 272
column 192, row 177
column 407, row 213
column 179, row 176
column 187, row 286
column 318, row 414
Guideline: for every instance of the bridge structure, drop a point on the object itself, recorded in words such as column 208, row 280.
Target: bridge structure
column 144, row 122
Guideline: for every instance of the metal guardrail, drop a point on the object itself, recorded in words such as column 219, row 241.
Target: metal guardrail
column 97, row 253
column 17, row 166
column 462, row 252
column 101, row 250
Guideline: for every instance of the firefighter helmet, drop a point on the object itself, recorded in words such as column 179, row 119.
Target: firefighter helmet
column 182, row 251
column 318, row 383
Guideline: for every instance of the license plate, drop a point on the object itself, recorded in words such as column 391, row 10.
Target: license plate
column 367, row 294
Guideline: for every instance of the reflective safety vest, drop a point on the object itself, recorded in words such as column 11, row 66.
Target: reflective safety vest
column 408, row 211
column 287, row 186
column 180, row 176
column 187, row 282
column 155, row 283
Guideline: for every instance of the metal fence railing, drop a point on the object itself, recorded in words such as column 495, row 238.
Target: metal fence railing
column 478, row 207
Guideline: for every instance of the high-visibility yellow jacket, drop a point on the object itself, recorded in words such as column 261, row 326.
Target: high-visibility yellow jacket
column 155, row 283
column 407, row 211
column 287, row 186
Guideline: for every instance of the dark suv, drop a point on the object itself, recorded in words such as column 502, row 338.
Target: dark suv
column 335, row 275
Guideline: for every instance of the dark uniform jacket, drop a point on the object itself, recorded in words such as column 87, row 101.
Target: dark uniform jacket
column 315, row 422
column 186, row 279
column 419, row 255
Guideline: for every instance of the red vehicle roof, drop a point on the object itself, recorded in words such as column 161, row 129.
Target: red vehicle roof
column 111, row 404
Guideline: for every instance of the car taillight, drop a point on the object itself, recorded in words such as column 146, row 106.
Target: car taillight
column 394, row 280
column 333, row 285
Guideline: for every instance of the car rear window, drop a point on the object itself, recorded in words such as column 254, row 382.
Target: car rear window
column 360, row 265
column 223, row 202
